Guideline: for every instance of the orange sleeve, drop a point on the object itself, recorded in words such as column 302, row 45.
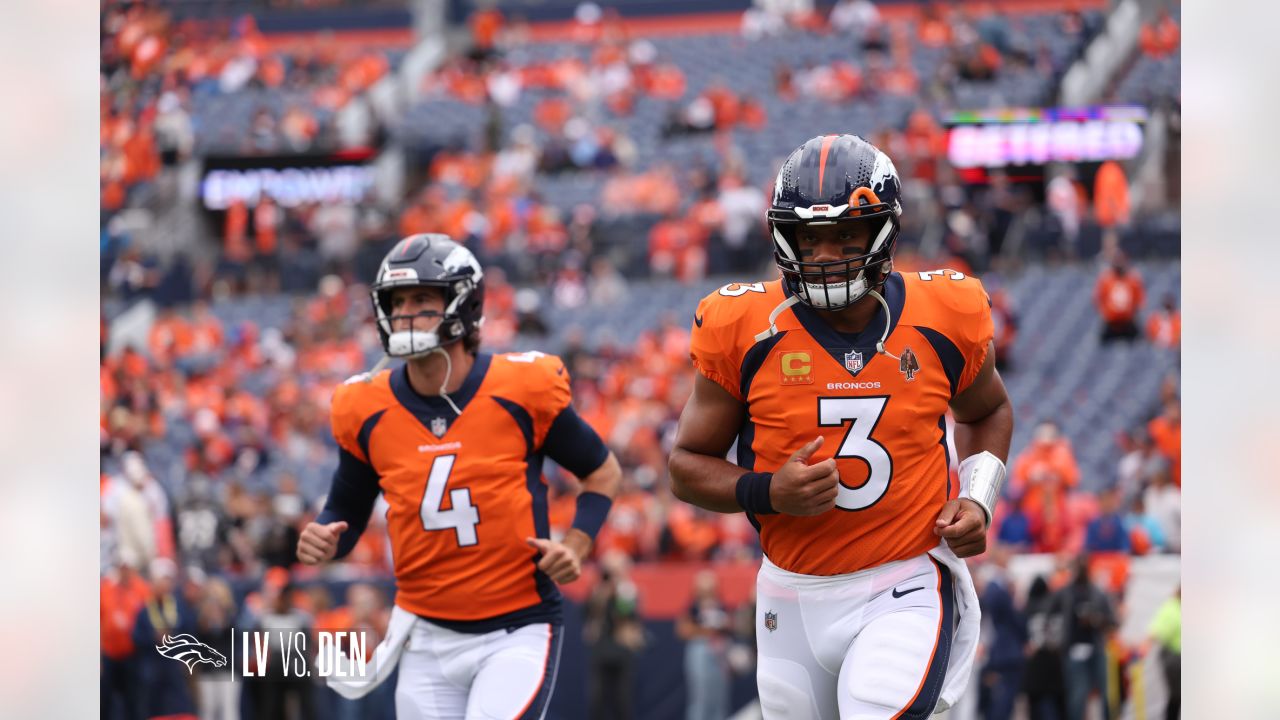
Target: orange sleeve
column 538, row 383
column 712, row 346
column 973, row 329
column 345, row 417
column 553, row 394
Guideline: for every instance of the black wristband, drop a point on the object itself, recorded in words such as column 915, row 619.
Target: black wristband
column 753, row 493
column 593, row 508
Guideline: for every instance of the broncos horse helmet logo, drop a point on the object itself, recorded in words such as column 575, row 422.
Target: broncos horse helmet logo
column 189, row 651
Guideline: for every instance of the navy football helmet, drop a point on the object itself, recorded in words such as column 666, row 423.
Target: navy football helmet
column 433, row 260
column 835, row 179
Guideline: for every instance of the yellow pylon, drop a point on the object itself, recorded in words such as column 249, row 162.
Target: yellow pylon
column 1137, row 691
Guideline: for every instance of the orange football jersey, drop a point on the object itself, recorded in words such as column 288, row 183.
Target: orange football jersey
column 464, row 491
column 883, row 419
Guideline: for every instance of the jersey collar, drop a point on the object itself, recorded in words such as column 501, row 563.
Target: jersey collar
column 837, row 343
column 429, row 409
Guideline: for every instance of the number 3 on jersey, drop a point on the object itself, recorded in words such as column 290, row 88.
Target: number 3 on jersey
column 738, row 289
column 862, row 414
column 462, row 517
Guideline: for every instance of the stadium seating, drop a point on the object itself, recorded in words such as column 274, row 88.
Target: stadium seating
column 1151, row 80
column 711, row 59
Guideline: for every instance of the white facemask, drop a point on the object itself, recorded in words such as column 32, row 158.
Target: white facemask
column 820, row 295
column 412, row 343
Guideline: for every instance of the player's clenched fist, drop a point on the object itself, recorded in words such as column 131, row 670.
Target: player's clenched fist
column 964, row 525
column 799, row 488
column 559, row 561
column 319, row 543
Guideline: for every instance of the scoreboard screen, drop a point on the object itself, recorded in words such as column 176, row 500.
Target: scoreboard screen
column 1036, row 136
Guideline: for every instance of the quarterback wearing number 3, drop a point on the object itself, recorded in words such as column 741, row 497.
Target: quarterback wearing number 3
column 454, row 439
column 835, row 382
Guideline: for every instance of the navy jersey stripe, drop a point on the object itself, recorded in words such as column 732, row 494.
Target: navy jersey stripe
column 537, row 490
column 754, row 359
column 942, row 440
column 948, row 353
column 366, row 429
column 522, row 418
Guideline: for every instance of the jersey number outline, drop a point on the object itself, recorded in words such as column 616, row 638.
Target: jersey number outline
column 741, row 289
column 927, row 275
column 462, row 518
column 862, row 414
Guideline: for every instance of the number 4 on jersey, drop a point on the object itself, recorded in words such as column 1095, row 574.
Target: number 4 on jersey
column 462, row 517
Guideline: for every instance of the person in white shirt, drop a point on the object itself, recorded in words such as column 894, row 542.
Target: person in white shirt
column 1164, row 502
column 854, row 16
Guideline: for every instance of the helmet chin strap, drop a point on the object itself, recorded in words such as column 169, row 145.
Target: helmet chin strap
column 888, row 322
column 377, row 368
column 448, row 372
column 773, row 318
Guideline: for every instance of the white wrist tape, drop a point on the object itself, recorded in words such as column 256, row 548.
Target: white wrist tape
column 981, row 480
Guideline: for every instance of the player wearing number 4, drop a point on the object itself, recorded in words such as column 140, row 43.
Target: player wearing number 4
column 454, row 439
column 835, row 382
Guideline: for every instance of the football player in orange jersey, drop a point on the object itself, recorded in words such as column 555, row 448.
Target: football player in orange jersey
column 454, row 439
column 835, row 382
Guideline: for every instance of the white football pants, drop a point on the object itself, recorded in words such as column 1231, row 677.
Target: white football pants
column 869, row 645
column 495, row 676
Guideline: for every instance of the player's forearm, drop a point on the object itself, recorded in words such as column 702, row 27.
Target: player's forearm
column 352, row 495
column 992, row 433
column 593, row 505
column 706, row 481
column 606, row 479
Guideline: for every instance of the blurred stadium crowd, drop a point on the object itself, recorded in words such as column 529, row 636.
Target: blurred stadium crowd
column 607, row 173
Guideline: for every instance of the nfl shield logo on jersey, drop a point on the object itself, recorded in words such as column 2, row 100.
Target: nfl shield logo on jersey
column 853, row 361
column 439, row 426
column 771, row 621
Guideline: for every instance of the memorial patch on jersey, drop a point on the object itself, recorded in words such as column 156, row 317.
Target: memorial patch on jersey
column 908, row 364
